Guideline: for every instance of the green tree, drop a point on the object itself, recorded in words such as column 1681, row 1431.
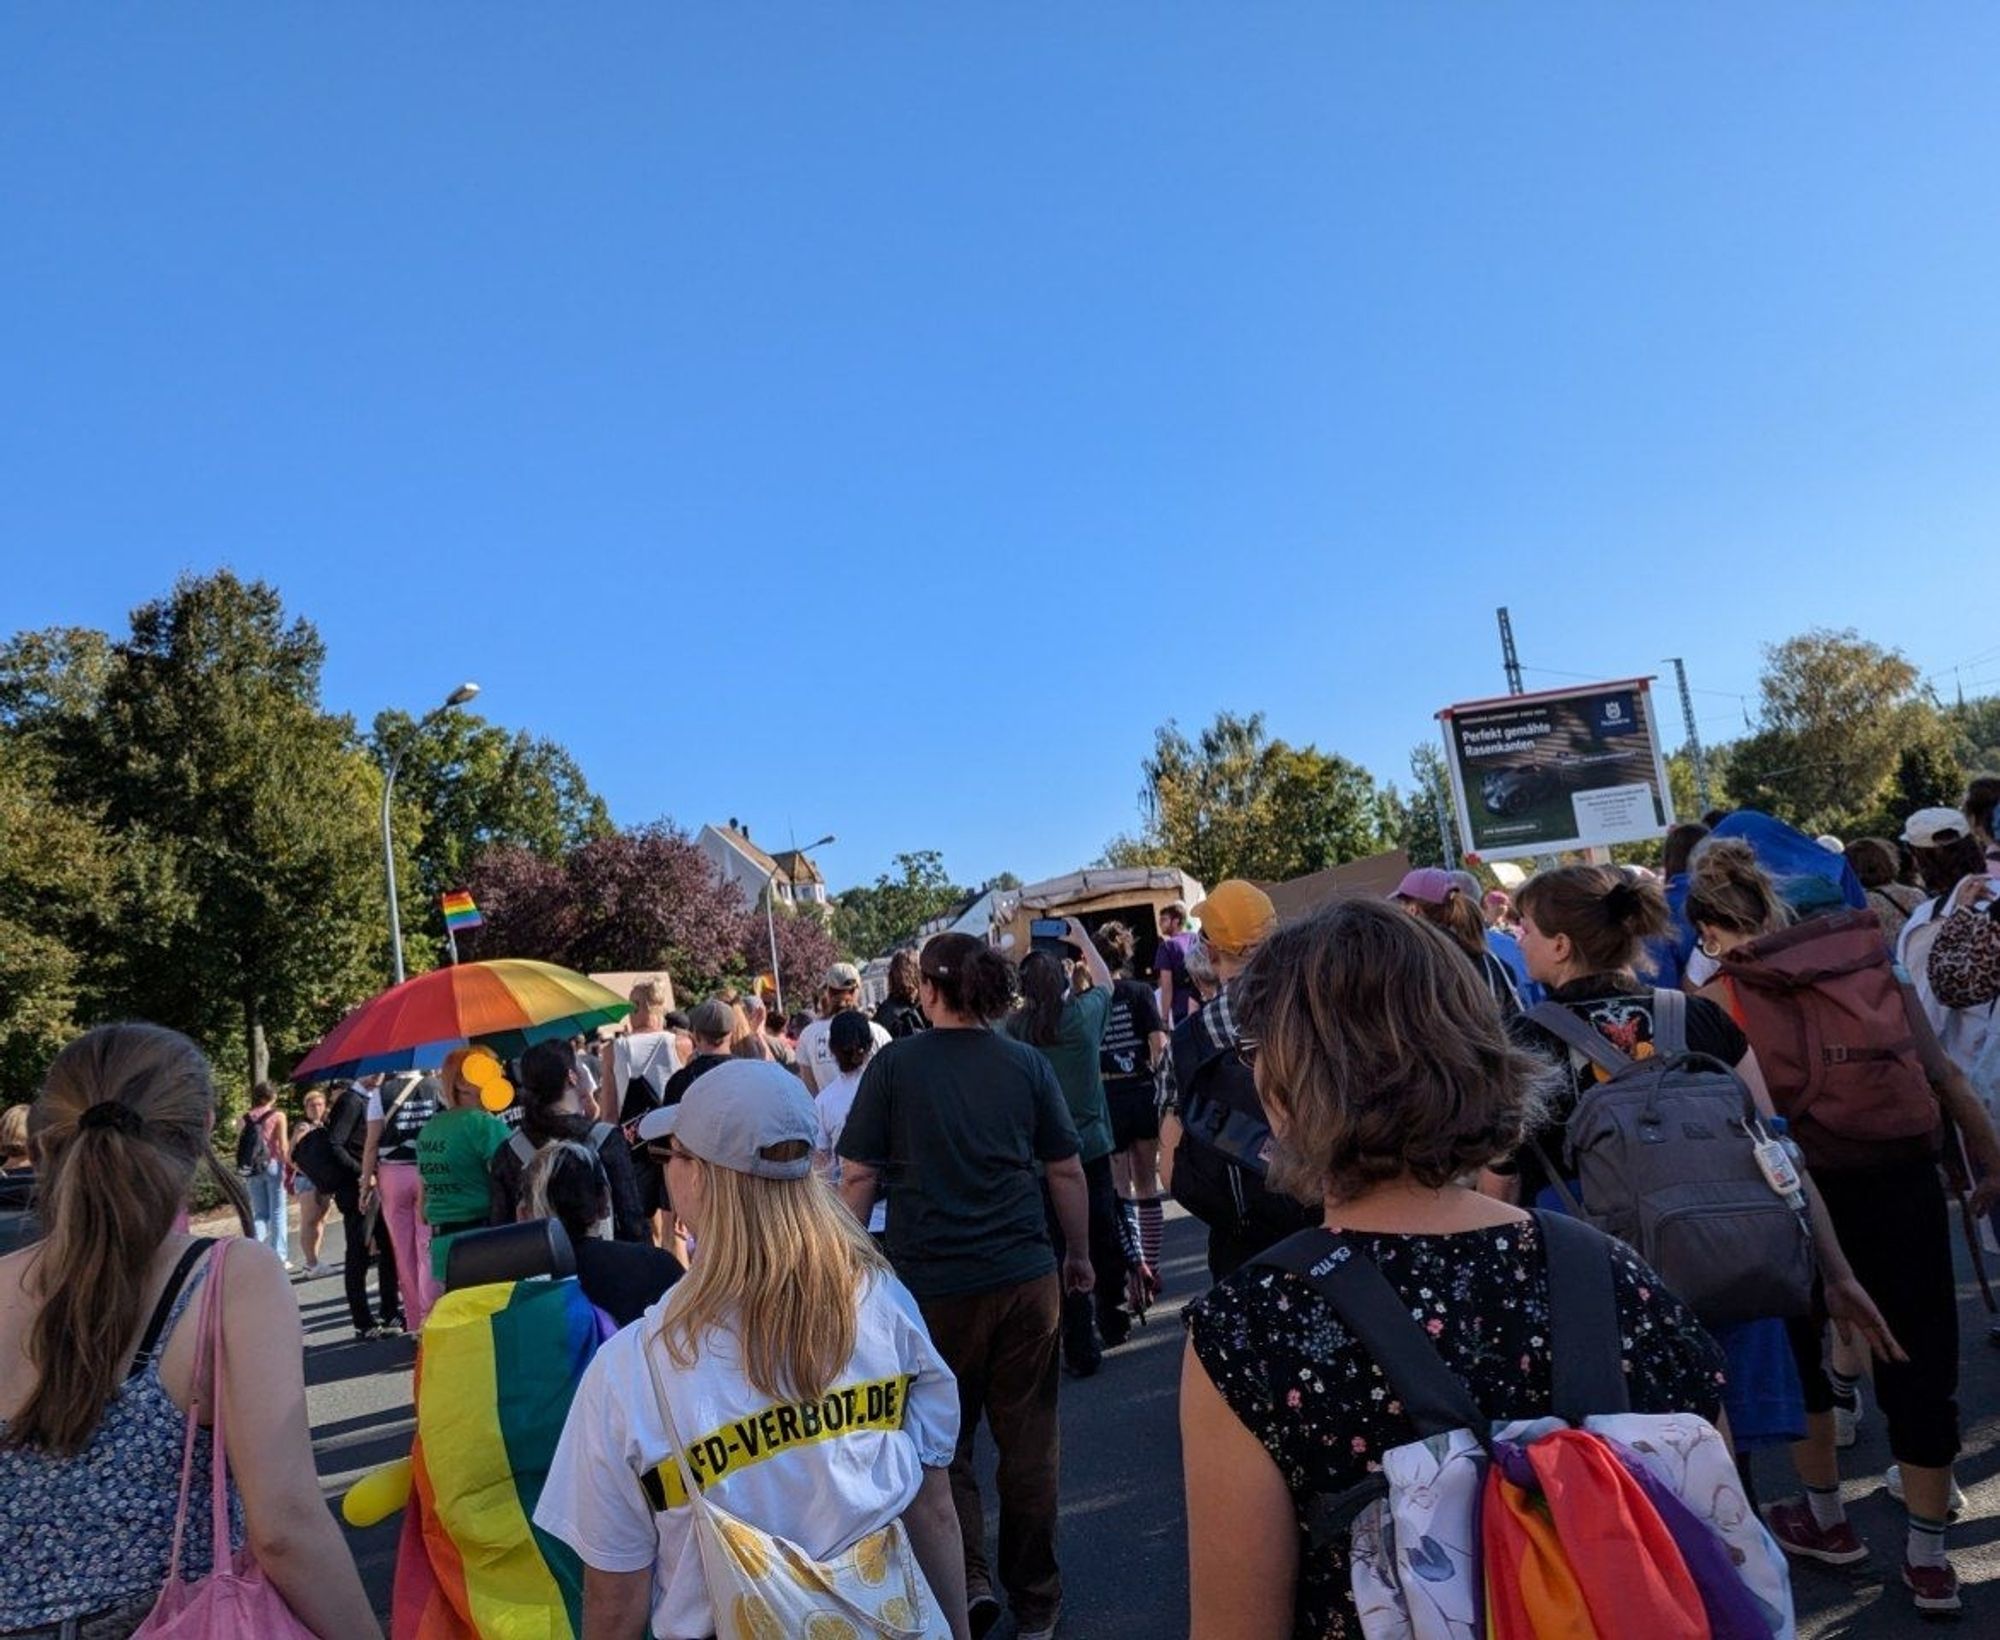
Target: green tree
column 466, row 785
column 249, row 816
column 1427, row 810
column 1975, row 732
column 1837, row 712
column 1235, row 803
column 55, row 866
column 869, row 921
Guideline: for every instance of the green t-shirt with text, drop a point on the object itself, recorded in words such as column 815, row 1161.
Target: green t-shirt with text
column 453, row 1151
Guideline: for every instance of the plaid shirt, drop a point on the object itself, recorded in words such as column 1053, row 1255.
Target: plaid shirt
column 1214, row 1023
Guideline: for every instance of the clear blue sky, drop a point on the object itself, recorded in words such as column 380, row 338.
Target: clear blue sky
column 876, row 419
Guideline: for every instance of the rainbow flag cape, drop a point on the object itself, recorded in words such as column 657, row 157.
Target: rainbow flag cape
column 460, row 912
column 496, row 1373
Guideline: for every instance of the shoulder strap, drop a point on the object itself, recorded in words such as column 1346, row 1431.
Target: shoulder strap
column 149, row 1340
column 599, row 1132
column 1670, row 1015
column 1587, row 1041
column 396, row 1104
column 1585, row 1346
column 524, row 1147
column 1374, row 1312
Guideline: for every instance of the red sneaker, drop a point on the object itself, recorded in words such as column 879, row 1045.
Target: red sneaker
column 1792, row 1524
column 1933, row 1588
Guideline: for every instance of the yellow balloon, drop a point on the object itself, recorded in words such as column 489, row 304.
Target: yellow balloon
column 378, row 1494
column 496, row 1095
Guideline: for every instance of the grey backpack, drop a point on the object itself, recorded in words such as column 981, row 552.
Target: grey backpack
column 1665, row 1156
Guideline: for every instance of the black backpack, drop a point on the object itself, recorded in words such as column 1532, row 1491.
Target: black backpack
column 253, row 1150
column 1218, row 1168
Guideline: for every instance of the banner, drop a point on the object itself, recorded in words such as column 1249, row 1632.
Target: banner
column 1563, row 770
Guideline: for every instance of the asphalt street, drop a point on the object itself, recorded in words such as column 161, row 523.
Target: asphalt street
column 1123, row 1526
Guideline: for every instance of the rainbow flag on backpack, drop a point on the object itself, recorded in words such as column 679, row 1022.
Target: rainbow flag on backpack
column 496, row 1373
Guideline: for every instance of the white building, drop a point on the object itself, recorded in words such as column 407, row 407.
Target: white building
column 793, row 877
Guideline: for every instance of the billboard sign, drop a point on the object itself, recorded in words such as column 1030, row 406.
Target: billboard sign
column 1566, row 769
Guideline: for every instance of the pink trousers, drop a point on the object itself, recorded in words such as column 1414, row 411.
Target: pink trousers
column 409, row 1237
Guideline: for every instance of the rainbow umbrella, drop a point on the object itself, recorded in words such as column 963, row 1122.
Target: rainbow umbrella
column 507, row 1003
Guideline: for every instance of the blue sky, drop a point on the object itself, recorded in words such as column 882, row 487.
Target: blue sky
column 878, row 418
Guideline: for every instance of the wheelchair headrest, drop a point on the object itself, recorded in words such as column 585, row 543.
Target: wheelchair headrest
column 508, row 1252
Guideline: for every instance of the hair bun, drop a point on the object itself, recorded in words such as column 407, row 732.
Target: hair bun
column 1622, row 901
column 112, row 1114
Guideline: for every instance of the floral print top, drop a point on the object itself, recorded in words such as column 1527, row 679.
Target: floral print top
column 95, row 1530
column 1287, row 1367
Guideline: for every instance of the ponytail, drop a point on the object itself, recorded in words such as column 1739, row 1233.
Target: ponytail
column 1728, row 889
column 121, row 1127
column 1606, row 914
column 1458, row 916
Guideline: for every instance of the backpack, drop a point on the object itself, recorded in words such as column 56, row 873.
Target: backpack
column 1598, row 1520
column 1825, row 1006
column 1665, row 1154
column 1218, row 1168
column 526, row 1150
column 253, row 1149
column 1963, row 965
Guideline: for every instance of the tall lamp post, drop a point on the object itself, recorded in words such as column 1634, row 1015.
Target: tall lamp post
column 458, row 697
column 771, row 914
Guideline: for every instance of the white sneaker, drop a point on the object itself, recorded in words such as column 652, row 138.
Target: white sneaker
column 1847, row 1422
column 1892, row 1477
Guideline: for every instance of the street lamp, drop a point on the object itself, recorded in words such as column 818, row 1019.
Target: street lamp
column 771, row 915
column 458, row 697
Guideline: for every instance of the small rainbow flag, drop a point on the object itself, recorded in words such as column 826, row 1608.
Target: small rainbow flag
column 460, row 912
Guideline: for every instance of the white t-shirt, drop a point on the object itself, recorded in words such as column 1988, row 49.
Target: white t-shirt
column 1961, row 1031
column 649, row 1054
column 822, row 1474
column 833, row 1102
column 814, row 1050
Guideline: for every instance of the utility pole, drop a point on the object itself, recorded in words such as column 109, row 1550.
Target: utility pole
column 1508, row 659
column 1694, row 737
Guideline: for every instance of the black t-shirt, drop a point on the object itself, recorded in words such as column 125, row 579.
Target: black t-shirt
column 955, row 1121
column 686, row 1076
column 1624, row 1018
column 1135, row 1016
column 622, row 1278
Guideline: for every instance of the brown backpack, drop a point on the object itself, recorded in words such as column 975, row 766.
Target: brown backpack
column 1823, row 1004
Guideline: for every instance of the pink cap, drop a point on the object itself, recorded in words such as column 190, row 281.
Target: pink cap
column 1431, row 884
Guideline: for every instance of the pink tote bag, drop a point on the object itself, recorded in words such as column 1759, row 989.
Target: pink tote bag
column 235, row 1601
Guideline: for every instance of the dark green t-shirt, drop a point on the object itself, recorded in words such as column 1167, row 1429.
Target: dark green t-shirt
column 453, row 1151
column 1074, row 1055
column 955, row 1121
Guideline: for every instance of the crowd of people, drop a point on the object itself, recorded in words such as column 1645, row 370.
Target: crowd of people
column 828, row 1249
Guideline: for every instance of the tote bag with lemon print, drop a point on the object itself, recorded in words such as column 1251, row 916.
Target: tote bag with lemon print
column 765, row 1587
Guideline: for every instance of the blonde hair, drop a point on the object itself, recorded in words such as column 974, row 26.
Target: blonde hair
column 781, row 1263
column 109, row 1188
column 14, row 1133
column 653, row 994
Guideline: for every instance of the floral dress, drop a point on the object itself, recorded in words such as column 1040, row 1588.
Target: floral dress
column 1288, row 1369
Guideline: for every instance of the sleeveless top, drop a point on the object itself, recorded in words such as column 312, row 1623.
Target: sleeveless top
column 401, row 1127
column 96, row 1529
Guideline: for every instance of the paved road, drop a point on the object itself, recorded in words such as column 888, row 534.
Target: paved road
column 1123, row 1536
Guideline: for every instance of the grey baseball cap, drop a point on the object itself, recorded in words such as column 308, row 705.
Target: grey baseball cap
column 735, row 1114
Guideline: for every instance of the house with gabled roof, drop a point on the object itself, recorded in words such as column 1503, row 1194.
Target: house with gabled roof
column 795, row 880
